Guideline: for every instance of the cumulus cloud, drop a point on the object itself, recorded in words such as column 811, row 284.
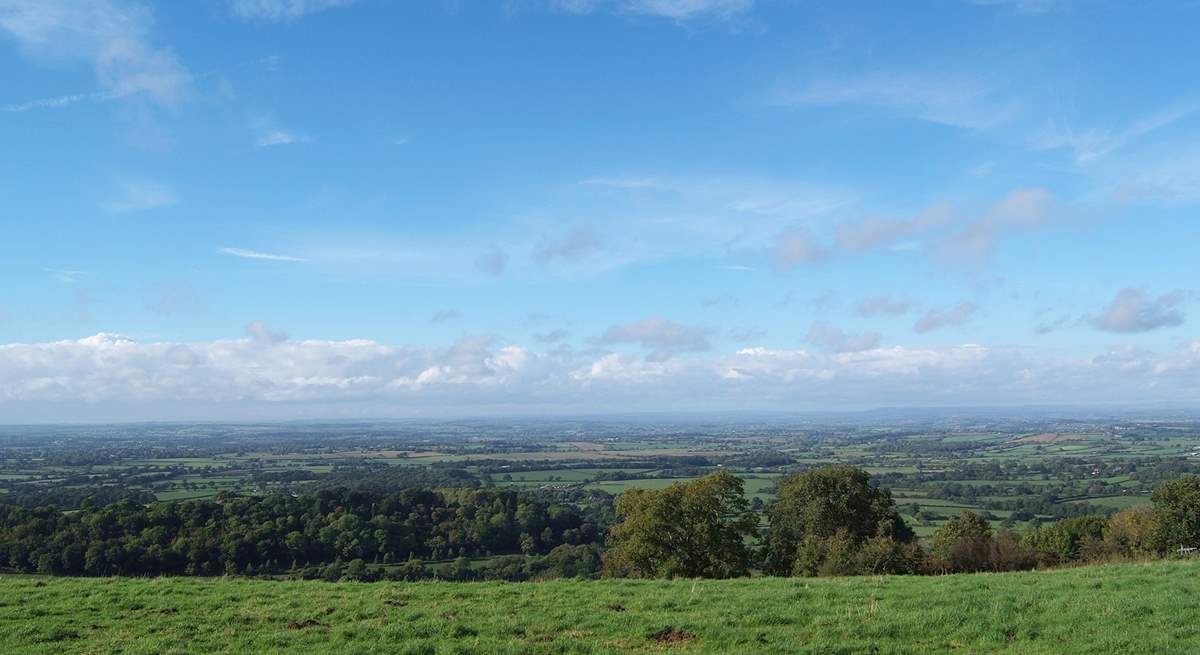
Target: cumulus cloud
column 282, row 9
column 883, row 306
column 836, row 340
column 679, row 10
column 941, row 317
column 796, row 247
column 876, row 232
column 258, row 332
column 110, row 377
column 1021, row 210
column 1135, row 310
column 662, row 338
column 112, row 36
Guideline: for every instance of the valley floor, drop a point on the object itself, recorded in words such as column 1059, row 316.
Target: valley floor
column 1128, row 608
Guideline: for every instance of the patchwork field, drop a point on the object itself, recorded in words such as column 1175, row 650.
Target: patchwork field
column 1131, row 608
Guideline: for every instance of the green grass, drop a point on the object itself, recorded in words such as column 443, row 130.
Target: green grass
column 1129, row 608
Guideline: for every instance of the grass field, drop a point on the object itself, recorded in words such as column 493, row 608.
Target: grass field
column 1130, row 608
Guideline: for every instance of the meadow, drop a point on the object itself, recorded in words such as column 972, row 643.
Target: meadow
column 1121, row 608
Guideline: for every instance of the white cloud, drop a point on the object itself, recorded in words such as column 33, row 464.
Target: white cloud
column 661, row 337
column 883, row 306
column 875, row 232
column 1021, row 210
column 282, row 9
column 957, row 102
column 1024, row 6
column 113, row 36
column 1092, row 144
column 254, row 254
column 66, row 276
column 135, row 195
column 258, row 332
column 679, row 10
column 796, row 247
column 1135, row 310
column 941, row 317
column 836, row 340
column 268, row 135
column 57, row 101
column 266, row 374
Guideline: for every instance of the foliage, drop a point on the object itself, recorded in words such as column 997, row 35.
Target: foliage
column 963, row 544
column 689, row 529
column 835, row 502
column 279, row 533
column 1177, row 513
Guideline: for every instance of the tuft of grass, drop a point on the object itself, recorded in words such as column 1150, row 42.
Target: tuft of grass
column 1124, row 608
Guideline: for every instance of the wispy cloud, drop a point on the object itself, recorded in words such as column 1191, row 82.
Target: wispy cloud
column 679, row 10
column 941, row 317
column 66, row 276
column 1091, row 144
column 135, row 195
column 446, row 316
column 576, row 244
column 113, row 36
column 59, row 101
column 268, row 135
column 883, row 306
column 254, row 254
column 282, row 9
column 957, row 102
column 836, row 340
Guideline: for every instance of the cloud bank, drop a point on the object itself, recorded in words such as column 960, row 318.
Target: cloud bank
column 268, row 374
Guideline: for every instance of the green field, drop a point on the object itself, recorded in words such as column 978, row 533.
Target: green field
column 1129, row 608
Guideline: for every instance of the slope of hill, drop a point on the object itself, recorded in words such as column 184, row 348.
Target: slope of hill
column 1127, row 608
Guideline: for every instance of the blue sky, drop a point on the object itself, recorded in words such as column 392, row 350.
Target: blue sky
column 290, row 208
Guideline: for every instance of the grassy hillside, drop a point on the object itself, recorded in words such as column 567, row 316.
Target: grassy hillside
column 1141, row 608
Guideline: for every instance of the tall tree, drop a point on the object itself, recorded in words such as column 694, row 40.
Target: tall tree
column 814, row 506
column 690, row 529
column 1177, row 512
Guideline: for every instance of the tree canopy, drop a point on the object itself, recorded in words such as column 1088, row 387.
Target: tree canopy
column 689, row 529
column 814, row 506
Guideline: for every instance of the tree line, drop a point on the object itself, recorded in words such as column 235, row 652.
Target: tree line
column 833, row 521
column 280, row 533
column 827, row 521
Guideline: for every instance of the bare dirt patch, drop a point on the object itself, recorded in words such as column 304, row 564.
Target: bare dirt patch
column 672, row 636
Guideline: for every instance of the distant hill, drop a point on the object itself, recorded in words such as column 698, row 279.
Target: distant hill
column 1126, row 608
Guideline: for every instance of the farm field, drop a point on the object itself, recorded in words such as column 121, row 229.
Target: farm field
column 1014, row 471
column 1126, row 608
